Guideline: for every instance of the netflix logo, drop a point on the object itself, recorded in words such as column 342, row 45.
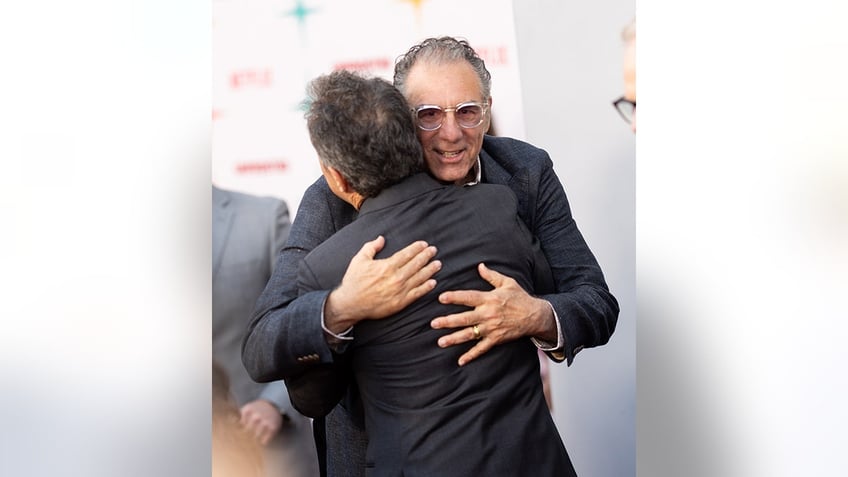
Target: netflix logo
column 254, row 78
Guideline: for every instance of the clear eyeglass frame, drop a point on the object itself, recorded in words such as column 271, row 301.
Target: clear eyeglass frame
column 626, row 108
column 483, row 109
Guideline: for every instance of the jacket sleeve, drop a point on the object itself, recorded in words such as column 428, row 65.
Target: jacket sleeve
column 586, row 309
column 284, row 336
column 275, row 391
column 317, row 390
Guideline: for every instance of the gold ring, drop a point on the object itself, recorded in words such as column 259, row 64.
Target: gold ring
column 476, row 331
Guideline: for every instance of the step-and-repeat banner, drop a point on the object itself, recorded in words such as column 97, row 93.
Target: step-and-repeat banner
column 265, row 51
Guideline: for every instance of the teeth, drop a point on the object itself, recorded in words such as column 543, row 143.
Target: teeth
column 450, row 154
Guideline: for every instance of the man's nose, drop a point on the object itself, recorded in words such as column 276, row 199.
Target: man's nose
column 450, row 127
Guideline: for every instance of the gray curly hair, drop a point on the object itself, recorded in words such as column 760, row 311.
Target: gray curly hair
column 444, row 49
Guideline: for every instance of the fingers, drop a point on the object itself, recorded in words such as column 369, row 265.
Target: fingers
column 494, row 278
column 425, row 287
column 426, row 272
column 457, row 320
column 471, row 332
column 484, row 343
column 261, row 429
column 254, row 423
column 412, row 262
column 372, row 248
column 263, row 434
column 416, row 267
column 481, row 348
column 376, row 288
column 499, row 315
column 261, row 419
column 411, row 259
column 472, row 298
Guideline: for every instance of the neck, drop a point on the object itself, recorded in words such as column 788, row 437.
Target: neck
column 356, row 200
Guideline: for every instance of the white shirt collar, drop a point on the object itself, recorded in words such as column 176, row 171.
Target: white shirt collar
column 477, row 176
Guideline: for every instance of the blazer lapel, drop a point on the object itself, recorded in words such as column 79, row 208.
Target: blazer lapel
column 519, row 182
column 222, row 221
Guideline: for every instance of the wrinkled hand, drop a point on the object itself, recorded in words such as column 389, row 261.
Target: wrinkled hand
column 501, row 315
column 376, row 288
column 262, row 419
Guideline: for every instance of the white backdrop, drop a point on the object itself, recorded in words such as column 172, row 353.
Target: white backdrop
column 265, row 51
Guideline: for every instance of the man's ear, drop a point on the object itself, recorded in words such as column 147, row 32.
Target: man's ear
column 338, row 179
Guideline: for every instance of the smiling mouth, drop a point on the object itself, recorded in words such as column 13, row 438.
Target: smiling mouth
column 449, row 155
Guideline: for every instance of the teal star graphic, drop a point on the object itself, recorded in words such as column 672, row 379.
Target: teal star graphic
column 300, row 12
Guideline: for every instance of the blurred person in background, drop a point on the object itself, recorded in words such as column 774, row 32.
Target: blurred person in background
column 288, row 335
column 235, row 451
column 247, row 234
column 626, row 105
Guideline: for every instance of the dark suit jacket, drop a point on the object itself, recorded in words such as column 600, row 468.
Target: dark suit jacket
column 424, row 415
column 285, row 336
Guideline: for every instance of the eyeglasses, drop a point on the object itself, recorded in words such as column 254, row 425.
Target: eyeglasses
column 468, row 115
column 625, row 108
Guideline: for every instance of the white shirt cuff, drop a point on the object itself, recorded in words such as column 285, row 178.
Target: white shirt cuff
column 546, row 345
column 346, row 335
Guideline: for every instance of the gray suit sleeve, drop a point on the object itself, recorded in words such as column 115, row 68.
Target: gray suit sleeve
column 276, row 393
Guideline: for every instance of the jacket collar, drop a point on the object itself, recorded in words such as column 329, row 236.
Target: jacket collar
column 410, row 187
column 222, row 217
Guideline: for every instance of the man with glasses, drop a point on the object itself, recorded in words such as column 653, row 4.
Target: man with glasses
column 626, row 105
column 290, row 335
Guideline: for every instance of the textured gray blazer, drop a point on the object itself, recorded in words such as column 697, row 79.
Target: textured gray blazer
column 247, row 235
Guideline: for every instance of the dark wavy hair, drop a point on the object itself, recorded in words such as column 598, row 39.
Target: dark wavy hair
column 363, row 128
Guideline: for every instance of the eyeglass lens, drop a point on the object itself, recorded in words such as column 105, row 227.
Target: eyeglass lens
column 625, row 109
column 467, row 116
